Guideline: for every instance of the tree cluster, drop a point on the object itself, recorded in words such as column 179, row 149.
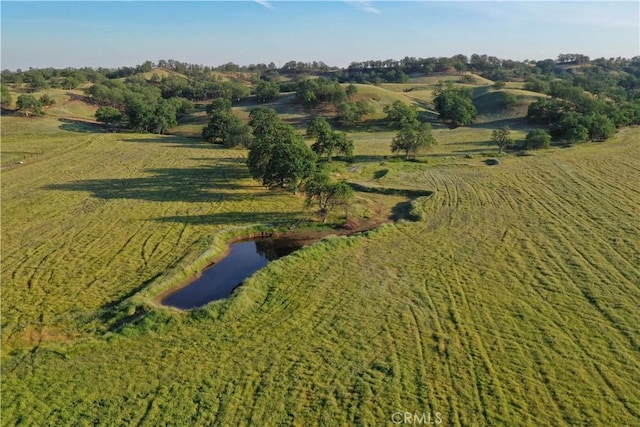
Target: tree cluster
column 370, row 71
column 201, row 88
column 351, row 112
column 51, row 78
column 306, row 66
column 141, row 105
column 537, row 138
column 313, row 92
column 267, row 91
column 328, row 142
column 372, row 76
column 224, row 127
column 413, row 136
column 454, row 105
column 574, row 115
column 327, row 194
column 400, row 114
column 29, row 105
column 412, row 139
column 278, row 157
column 6, row 98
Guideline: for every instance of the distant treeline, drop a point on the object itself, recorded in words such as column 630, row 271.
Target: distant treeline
column 370, row 71
column 588, row 99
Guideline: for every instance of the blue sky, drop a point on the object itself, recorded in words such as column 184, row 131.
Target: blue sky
column 112, row 34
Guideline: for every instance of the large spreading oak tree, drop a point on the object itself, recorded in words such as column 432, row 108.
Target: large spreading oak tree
column 279, row 158
column 413, row 138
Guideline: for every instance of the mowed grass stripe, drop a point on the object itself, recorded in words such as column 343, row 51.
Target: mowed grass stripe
column 484, row 311
column 90, row 223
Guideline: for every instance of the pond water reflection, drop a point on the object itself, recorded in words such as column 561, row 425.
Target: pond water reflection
column 219, row 280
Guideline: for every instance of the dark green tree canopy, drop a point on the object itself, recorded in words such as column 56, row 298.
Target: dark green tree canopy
column 537, row 138
column 6, row 98
column 262, row 119
column 28, row 105
column 140, row 110
column 547, row 110
column 509, row 100
column 333, row 142
column 350, row 112
column 327, row 195
column 312, row 92
column 219, row 128
column 239, row 136
column 164, row 117
column 535, row 84
column 327, row 141
column 412, row 139
column 600, row 127
column 279, row 158
column 318, row 126
column 455, row 106
column 400, row 114
column 219, row 105
column 108, row 115
column 351, row 90
column 574, row 127
column 267, row 91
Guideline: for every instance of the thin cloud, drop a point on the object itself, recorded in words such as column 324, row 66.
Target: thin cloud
column 365, row 6
column 265, row 3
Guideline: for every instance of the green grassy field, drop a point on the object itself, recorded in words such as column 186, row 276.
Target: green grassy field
column 513, row 301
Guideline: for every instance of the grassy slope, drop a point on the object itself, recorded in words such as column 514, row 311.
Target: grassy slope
column 513, row 302
column 37, row 138
column 488, row 102
column 69, row 104
column 162, row 73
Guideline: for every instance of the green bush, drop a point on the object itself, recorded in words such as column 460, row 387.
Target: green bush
column 537, row 138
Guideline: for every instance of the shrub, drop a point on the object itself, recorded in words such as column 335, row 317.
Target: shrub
column 537, row 138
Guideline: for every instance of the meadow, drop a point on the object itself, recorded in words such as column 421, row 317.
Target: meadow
column 512, row 298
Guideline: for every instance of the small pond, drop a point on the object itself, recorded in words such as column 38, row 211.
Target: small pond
column 219, row 280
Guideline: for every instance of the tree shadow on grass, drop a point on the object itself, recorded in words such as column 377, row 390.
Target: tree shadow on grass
column 402, row 210
column 404, row 192
column 177, row 141
column 199, row 184
column 520, row 123
column 489, row 148
column 380, row 173
column 366, row 158
column 429, row 116
column 371, row 125
column 239, row 218
column 81, row 126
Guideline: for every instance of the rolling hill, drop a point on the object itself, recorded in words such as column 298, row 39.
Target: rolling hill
column 511, row 298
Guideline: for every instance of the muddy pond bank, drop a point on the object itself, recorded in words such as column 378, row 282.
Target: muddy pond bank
column 246, row 255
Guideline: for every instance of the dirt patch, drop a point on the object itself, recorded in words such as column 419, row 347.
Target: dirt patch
column 33, row 335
